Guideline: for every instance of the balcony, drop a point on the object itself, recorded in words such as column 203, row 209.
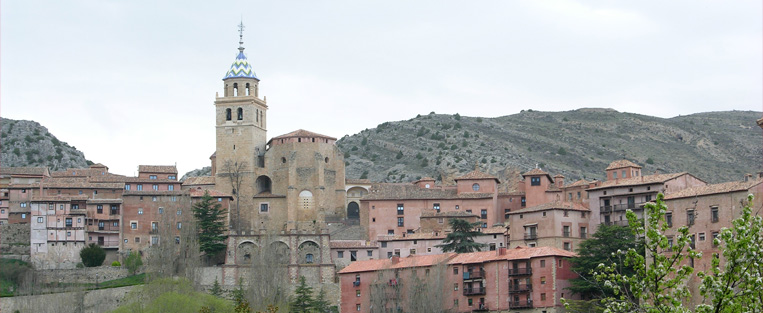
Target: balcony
column 583, row 235
column 521, row 304
column 154, row 231
column 520, row 271
column 631, row 206
column 77, row 211
column 481, row 307
column 520, row 288
column 474, row 274
column 102, row 229
column 474, row 291
column 531, row 236
column 618, row 223
column 356, row 283
column 108, row 243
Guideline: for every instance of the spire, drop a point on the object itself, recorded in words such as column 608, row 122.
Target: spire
column 241, row 67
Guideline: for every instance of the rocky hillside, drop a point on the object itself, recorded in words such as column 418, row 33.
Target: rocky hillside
column 204, row 171
column 27, row 143
column 714, row 146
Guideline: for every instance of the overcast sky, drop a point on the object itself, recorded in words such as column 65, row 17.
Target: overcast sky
column 133, row 82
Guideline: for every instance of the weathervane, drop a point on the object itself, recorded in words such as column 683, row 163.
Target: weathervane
column 241, row 35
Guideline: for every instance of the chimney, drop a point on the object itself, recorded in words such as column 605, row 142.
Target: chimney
column 747, row 177
column 559, row 180
column 395, row 259
column 760, row 174
column 501, row 251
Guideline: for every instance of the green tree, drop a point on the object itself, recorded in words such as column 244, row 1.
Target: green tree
column 303, row 300
column 133, row 262
column 736, row 286
column 601, row 248
column 210, row 218
column 659, row 280
column 399, row 155
column 461, row 239
column 92, row 255
column 216, row 290
column 321, row 304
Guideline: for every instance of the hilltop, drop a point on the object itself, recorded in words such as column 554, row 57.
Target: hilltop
column 714, row 146
column 27, row 143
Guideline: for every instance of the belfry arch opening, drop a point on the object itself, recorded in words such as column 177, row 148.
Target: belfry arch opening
column 240, row 113
column 228, row 114
column 247, row 89
column 263, row 184
column 235, row 89
column 353, row 210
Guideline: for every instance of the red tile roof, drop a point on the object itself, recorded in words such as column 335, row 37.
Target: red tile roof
column 346, row 244
column 32, row 171
column 555, row 205
column 640, row 180
column 199, row 180
column 165, row 169
column 477, row 174
column 537, row 171
column 519, row 253
column 302, row 133
column 411, row 261
column 407, row 191
column 621, row 164
column 59, row 198
column 197, row 193
column 714, row 189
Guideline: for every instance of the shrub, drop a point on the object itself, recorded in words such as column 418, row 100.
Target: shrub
column 561, row 151
column 92, row 255
column 133, row 262
column 399, row 155
column 80, row 265
column 116, row 264
column 649, row 161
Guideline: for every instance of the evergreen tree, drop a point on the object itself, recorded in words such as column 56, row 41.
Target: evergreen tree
column 461, row 239
column 216, row 290
column 92, row 255
column 303, row 300
column 321, row 304
column 210, row 217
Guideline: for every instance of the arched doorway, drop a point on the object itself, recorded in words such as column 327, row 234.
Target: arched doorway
column 353, row 210
column 263, row 184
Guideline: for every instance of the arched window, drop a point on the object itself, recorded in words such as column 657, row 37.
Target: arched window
column 257, row 115
column 247, row 89
column 227, row 114
column 306, row 200
column 240, row 114
column 235, row 89
column 309, row 258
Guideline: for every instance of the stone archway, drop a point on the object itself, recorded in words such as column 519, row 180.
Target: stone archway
column 246, row 252
column 309, row 253
column 353, row 210
column 280, row 253
column 263, row 184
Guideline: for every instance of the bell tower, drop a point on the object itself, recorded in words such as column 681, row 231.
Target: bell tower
column 240, row 123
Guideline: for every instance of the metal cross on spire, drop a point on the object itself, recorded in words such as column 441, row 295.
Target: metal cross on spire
column 241, row 35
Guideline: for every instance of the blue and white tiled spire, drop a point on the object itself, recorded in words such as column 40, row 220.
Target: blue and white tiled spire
column 241, row 67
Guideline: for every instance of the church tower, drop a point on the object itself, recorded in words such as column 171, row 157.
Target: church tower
column 241, row 125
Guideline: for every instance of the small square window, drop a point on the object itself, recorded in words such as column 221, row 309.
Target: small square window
column 340, row 254
column 357, row 293
column 542, row 263
column 140, row 211
column 134, row 225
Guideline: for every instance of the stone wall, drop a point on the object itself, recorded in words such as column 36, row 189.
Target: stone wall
column 14, row 240
column 95, row 301
column 82, row 275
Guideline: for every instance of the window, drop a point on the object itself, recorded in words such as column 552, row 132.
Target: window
column 456, row 207
column 542, row 297
column 174, row 198
column 115, row 224
column 154, row 240
column 155, row 187
column 137, row 240
column 177, row 240
column 400, row 222
column 440, row 220
column 171, row 177
column 560, row 264
column 161, row 210
column 670, row 243
column 669, row 219
column 623, row 176
column 23, row 204
column 578, row 195
column 400, row 209
column 383, row 244
column 309, row 259
column 240, row 112
column 99, row 209
column 412, row 251
column 357, row 307
column 714, row 214
column 179, row 212
column 154, row 226
column 369, row 252
column 152, row 177
column 483, row 214
column 544, row 214
column 524, row 202
column 390, row 232
column 126, row 240
column 340, row 254
column 436, row 207
column 114, row 210
column 455, row 286
column 389, row 255
column 61, row 207
column 565, row 231
column 170, row 187
column 227, row 114
column 582, row 214
column 133, row 225
column 140, row 187
column 127, row 186
column 542, row 263
column 429, row 249
column 614, row 174
column 75, row 206
column 140, row 211
column 219, row 199
column 543, row 280
column 39, row 219
column 353, row 255
column 715, row 235
column 101, row 225
column 690, row 217
column 470, row 301
column 583, row 233
column 455, row 271
column 179, row 225
column 568, row 246
column 68, row 234
column 701, row 236
column 476, row 187
column 357, row 293
column 484, row 225
column 534, row 181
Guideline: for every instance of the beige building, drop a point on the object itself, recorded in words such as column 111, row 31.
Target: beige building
column 558, row 224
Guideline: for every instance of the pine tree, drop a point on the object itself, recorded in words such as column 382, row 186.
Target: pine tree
column 216, row 290
column 303, row 300
column 210, row 216
column 461, row 239
column 321, row 304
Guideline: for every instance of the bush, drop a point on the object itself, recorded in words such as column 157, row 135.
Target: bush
column 92, row 255
column 80, row 265
column 13, row 270
column 649, row 161
column 116, row 264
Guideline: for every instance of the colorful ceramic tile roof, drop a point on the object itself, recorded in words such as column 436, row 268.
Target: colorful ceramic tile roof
column 621, row 164
column 714, row 189
column 165, row 169
column 240, row 68
column 302, row 133
column 640, row 180
column 560, row 205
column 199, row 180
column 411, row 261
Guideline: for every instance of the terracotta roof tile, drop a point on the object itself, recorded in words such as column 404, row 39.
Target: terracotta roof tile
column 114, row 201
column 581, row 182
column 411, row 261
column 199, row 180
column 620, row 164
column 409, row 191
column 537, row 171
column 640, row 180
column 432, row 213
column 477, row 174
column 34, row 171
column 155, row 193
column 77, row 182
column 59, row 198
column 346, row 244
column 165, row 169
column 561, row 205
column 197, row 193
column 519, row 253
column 302, row 133
column 714, row 189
